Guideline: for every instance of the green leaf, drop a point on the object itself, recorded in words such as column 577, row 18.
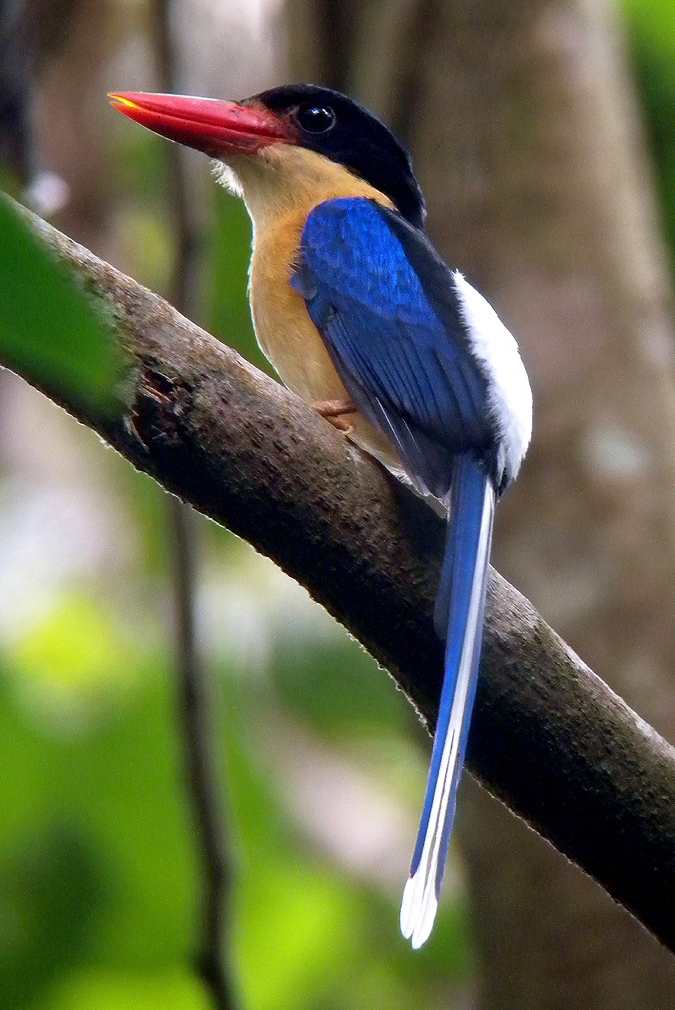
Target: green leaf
column 49, row 331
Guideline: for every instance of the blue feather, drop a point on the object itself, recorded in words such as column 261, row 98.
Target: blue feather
column 405, row 362
column 459, row 618
column 389, row 313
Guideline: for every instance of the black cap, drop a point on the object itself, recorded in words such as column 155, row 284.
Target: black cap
column 344, row 131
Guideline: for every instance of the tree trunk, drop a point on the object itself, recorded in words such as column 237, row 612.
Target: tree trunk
column 526, row 139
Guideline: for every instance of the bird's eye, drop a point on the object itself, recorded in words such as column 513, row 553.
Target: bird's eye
column 316, row 118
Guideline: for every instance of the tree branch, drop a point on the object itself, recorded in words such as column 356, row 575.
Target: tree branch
column 548, row 736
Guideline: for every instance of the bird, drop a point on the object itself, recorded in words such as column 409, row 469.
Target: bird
column 362, row 318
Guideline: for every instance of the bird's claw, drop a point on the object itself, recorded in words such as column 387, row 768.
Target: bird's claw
column 334, row 411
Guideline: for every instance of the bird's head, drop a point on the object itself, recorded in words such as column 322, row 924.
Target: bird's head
column 289, row 137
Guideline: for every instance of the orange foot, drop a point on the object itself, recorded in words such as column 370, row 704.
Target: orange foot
column 334, row 411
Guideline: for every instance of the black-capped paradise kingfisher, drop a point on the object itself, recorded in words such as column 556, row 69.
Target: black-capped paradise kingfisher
column 361, row 317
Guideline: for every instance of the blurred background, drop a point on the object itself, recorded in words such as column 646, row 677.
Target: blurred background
column 544, row 138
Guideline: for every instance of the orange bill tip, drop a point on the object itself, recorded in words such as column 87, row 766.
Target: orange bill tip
column 118, row 100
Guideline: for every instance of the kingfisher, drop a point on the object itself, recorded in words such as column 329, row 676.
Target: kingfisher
column 361, row 317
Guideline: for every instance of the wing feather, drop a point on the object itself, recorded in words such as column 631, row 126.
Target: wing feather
column 402, row 354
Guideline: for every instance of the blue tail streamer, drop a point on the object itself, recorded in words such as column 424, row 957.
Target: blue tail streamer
column 458, row 615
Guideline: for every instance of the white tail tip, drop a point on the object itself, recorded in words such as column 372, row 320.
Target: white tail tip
column 418, row 909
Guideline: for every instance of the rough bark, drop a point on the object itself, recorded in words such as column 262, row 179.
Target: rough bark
column 526, row 139
column 548, row 736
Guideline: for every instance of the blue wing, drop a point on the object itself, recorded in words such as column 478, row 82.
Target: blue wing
column 386, row 307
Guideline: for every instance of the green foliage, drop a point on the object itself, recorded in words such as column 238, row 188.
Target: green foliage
column 350, row 693
column 98, row 880
column 228, row 254
column 47, row 327
column 651, row 26
column 171, row 989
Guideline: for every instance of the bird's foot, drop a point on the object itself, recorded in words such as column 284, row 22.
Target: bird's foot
column 334, row 411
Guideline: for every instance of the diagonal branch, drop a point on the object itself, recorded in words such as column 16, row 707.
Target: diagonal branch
column 548, row 736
